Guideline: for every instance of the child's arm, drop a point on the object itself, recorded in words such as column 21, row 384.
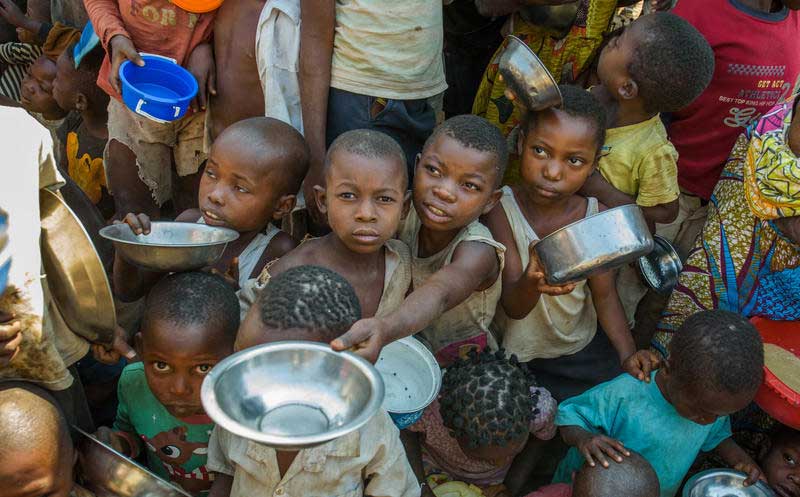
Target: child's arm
column 219, row 463
column 222, row 485
column 108, row 24
column 612, row 318
column 413, row 449
column 129, row 282
column 474, row 265
column 735, row 457
column 592, row 446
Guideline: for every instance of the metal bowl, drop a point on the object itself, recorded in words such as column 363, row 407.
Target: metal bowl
column 412, row 378
column 75, row 273
column 724, row 483
column 527, row 77
column 170, row 246
column 292, row 395
column 106, row 472
column 661, row 267
column 594, row 244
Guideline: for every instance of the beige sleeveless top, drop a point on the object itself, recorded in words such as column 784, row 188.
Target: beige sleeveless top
column 557, row 326
column 470, row 318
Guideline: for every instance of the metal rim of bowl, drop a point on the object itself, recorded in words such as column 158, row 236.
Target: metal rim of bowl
column 536, row 57
column 108, row 230
column 437, row 378
column 208, row 397
column 723, row 471
column 585, row 219
column 674, row 257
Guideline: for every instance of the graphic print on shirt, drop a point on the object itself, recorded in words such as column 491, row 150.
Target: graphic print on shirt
column 161, row 12
column 172, row 448
column 770, row 88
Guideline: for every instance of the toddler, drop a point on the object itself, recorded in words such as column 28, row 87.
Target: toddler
column 714, row 369
column 189, row 325
column 488, row 407
column 780, row 463
column 556, row 327
column 314, row 304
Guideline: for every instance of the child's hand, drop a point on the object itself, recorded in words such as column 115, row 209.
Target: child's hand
column 535, row 273
column 753, row 472
column 641, row 363
column 597, row 447
column 119, row 349
column 10, row 337
column 13, row 14
column 122, row 49
column 139, row 223
column 365, row 338
column 201, row 65
column 108, row 437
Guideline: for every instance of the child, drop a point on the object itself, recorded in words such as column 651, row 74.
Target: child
column 140, row 153
column 556, row 327
column 38, row 458
column 189, row 325
column 253, row 174
column 488, row 407
column 633, row 477
column 363, row 198
column 780, row 463
column 456, row 263
column 714, row 369
column 314, row 304
column 36, row 94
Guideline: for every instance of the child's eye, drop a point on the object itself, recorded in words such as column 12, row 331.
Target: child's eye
column 576, row 161
column 161, row 366
column 242, row 189
column 347, row 196
column 539, row 151
column 385, row 199
column 210, row 173
column 433, row 170
column 204, row 368
column 789, row 459
column 472, row 186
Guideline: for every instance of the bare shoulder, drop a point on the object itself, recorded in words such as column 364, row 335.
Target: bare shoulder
column 305, row 253
column 281, row 244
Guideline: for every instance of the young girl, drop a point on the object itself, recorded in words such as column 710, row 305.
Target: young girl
column 556, row 327
column 488, row 407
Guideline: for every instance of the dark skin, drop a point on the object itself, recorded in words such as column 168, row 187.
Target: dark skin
column 237, row 191
column 782, row 464
column 558, row 153
column 36, row 91
column 70, row 92
column 619, row 93
column 38, row 472
column 27, row 23
column 364, row 199
column 453, row 186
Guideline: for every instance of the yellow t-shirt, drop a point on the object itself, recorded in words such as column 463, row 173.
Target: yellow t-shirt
column 639, row 160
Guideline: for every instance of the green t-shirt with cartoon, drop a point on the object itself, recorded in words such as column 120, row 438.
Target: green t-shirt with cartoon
column 176, row 448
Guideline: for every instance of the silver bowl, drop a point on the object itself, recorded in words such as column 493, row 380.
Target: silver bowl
column 597, row 243
column 106, row 472
column 292, row 395
column 661, row 267
column 724, row 483
column 412, row 378
column 170, row 246
column 527, row 77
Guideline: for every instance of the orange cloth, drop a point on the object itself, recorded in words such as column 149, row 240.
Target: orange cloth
column 155, row 26
column 58, row 39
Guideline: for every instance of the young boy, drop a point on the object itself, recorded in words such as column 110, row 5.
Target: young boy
column 140, row 153
column 714, row 369
column 252, row 177
column 780, row 463
column 38, row 457
column 189, row 325
column 633, row 477
column 456, row 264
column 364, row 197
column 36, row 94
column 314, row 304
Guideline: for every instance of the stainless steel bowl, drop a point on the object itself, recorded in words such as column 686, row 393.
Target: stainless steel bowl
column 292, row 395
column 106, row 472
column 412, row 378
column 661, row 267
column 527, row 77
column 170, row 246
column 597, row 243
column 724, row 483
column 75, row 274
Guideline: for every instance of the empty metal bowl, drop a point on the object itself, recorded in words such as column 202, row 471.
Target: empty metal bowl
column 594, row 244
column 170, row 246
column 412, row 378
column 292, row 395
column 527, row 77
column 106, row 472
column 661, row 267
column 724, row 483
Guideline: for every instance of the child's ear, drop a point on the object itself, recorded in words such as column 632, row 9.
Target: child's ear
column 628, row 90
column 496, row 196
column 137, row 344
column 284, row 206
column 319, row 198
column 81, row 103
column 406, row 205
column 520, row 141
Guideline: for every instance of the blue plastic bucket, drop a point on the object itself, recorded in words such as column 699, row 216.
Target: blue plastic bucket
column 161, row 90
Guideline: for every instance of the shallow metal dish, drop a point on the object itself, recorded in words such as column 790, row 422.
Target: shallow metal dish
column 597, row 243
column 107, row 472
column 661, row 267
column 75, row 274
column 292, row 395
column 412, row 378
column 170, row 246
column 724, row 483
column 527, row 77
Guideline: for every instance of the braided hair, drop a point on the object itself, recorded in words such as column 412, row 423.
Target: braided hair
column 486, row 399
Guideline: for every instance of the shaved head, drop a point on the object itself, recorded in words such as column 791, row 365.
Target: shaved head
column 370, row 144
column 633, row 477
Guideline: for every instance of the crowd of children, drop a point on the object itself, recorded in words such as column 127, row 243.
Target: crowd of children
column 365, row 216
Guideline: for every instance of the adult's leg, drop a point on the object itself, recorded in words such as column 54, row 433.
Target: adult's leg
column 188, row 156
column 131, row 194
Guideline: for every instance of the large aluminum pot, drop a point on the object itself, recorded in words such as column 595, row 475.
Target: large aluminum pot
column 527, row 77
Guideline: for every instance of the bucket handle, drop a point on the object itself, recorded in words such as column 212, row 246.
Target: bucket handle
column 170, row 59
column 146, row 114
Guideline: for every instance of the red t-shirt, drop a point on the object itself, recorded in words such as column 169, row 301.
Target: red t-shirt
column 757, row 60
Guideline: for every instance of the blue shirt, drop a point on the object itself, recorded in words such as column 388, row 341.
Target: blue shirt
column 638, row 415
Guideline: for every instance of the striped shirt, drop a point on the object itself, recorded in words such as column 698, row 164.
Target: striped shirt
column 18, row 57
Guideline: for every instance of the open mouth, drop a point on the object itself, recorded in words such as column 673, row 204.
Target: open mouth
column 211, row 218
column 437, row 214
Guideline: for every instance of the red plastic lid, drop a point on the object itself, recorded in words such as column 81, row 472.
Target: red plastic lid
column 198, row 6
column 775, row 397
